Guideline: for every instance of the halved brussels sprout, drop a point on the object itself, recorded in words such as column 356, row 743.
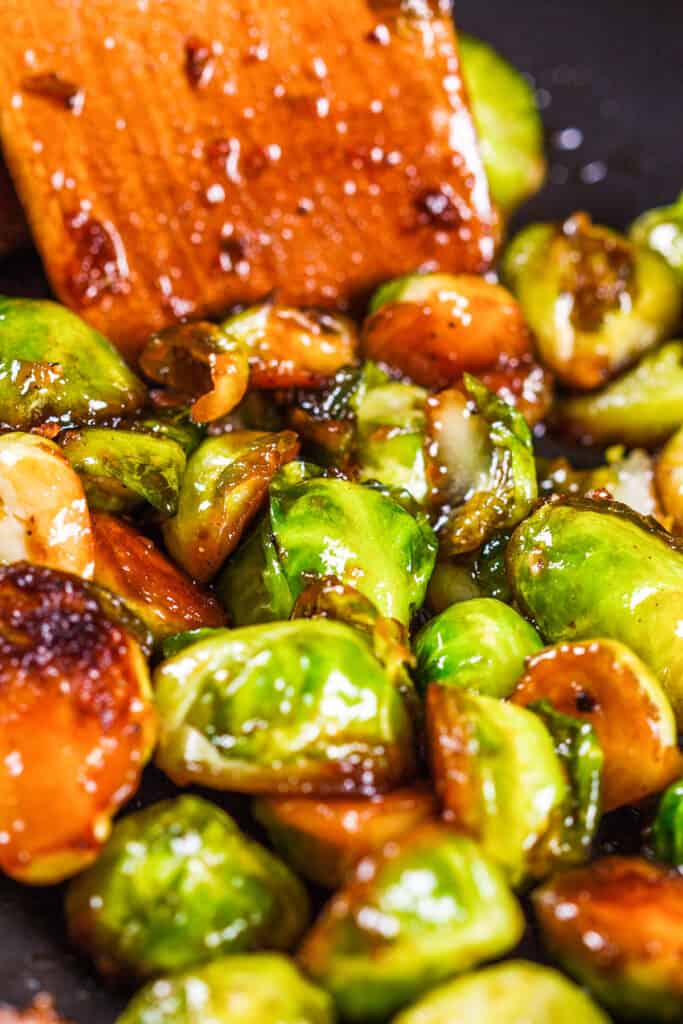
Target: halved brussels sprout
column 644, row 406
column 128, row 564
column 478, row 645
column 292, row 348
column 422, row 910
column 258, row 989
column 661, row 229
column 582, row 569
column 627, row 478
column 201, row 365
column 45, row 518
column 390, row 441
column 435, row 327
column 171, row 424
column 667, row 830
column 482, row 460
column 122, row 469
column 497, row 775
column 41, row 1011
column 55, row 368
column 76, row 722
column 669, row 477
column 290, row 707
column 507, row 121
column 178, row 884
column 318, row 526
column 617, row 926
column 594, row 300
column 515, row 992
column 324, row 839
column 604, row 683
column 225, row 482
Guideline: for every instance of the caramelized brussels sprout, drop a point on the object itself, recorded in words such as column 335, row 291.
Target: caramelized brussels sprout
column 178, row 884
column 324, row 839
column 478, row 645
column 484, row 465
column 480, row 573
column 258, row 989
column 508, row 124
column 667, row 830
column 627, row 478
column 76, row 721
column 289, row 707
column 516, row 992
column 128, row 564
column 121, row 469
column 292, row 348
column 604, row 683
column 225, row 482
column 435, row 327
column 390, row 425
column 41, row 1011
column 594, row 300
column 582, row 569
column 644, row 406
column 662, row 230
column 45, row 518
column 617, row 926
column 202, row 365
column 669, row 478
column 497, row 775
column 424, row 909
column 54, row 368
column 172, row 425
column 319, row 527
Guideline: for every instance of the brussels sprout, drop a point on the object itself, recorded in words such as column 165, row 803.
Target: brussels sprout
column 177, row 884
column 617, row 926
column 452, row 581
column 291, row 707
column 121, row 469
column 422, row 910
column 594, row 300
column 483, row 452
column 41, row 1011
column 76, row 722
column 45, row 518
column 171, row 424
column 297, row 348
column 667, row 830
column 508, row 124
column 258, row 989
column 662, row 230
column 54, row 368
column 324, row 839
column 604, row 683
column 224, row 485
column 478, row 645
column 497, row 776
column 390, row 424
column 644, row 406
column 329, row 527
column 325, row 418
column 628, row 478
column 583, row 568
column 669, row 477
column 516, row 992
column 129, row 564
column 201, row 365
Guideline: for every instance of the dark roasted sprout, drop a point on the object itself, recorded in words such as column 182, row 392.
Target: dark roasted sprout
column 287, row 707
column 264, row 988
column 617, row 927
column 661, row 229
column 422, row 910
column 594, row 300
column 178, row 884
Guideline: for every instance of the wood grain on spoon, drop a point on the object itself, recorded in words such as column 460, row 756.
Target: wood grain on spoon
column 175, row 158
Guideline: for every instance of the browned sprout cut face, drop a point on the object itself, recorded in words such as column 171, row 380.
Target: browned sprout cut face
column 602, row 682
column 617, row 926
column 76, row 722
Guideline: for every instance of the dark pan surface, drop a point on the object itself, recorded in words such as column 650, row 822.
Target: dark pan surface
column 612, row 71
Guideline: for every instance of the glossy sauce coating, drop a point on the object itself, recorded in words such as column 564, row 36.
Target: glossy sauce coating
column 222, row 150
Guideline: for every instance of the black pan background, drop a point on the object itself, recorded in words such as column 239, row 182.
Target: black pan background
column 613, row 69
